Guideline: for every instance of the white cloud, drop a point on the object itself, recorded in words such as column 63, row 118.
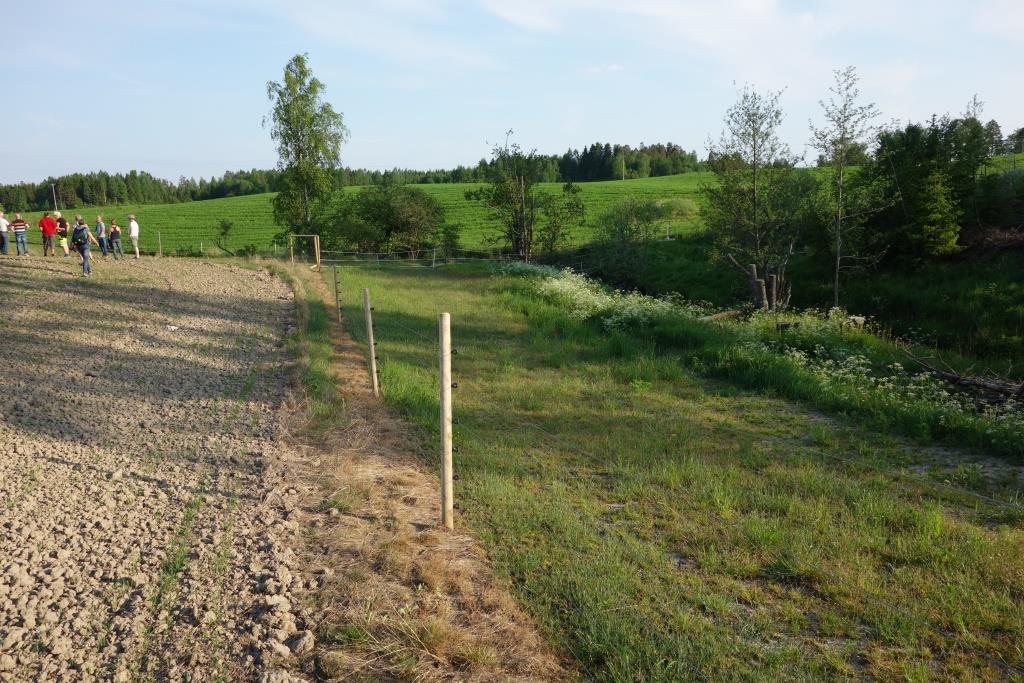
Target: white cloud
column 406, row 32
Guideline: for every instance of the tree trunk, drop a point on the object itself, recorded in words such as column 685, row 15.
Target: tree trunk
column 762, row 296
column 839, row 234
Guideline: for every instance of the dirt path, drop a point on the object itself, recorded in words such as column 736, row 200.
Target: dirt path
column 141, row 508
column 397, row 597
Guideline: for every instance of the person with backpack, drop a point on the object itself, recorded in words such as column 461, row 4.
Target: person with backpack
column 20, row 228
column 80, row 238
column 101, row 234
column 115, row 239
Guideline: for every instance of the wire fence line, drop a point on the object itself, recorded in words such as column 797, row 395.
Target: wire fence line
column 558, row 441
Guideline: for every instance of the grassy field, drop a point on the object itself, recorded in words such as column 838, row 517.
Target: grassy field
column 185, row 227
column 662, row 525
column 973, row 306
column 188, row 226
column 1006, row 162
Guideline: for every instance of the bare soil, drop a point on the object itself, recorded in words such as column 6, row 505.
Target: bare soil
column 164, row 517
column 140, row 518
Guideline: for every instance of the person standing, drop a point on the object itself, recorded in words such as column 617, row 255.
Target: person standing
column 80, row 238
column 101, row 235
column 48, row 228
column 62, row 233
column 20, row 228
column 115, row 239
column 4, row 224
column 133, row 233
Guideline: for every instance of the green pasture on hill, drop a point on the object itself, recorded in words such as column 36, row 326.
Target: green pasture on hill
column 184, row 227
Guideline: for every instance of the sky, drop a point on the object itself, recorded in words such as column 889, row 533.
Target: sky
column 178, row 87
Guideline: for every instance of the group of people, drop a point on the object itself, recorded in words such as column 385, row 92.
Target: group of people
column 56, row 230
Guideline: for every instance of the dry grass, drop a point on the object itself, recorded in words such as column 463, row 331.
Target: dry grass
column 395, row 596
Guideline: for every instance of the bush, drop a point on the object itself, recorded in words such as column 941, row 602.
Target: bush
column 633, row 220
column 940, row 228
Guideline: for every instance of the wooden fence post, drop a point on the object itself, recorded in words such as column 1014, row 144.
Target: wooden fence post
column 445, row 359
column 291, row 249
column 159, row 245
column 337, row 293
column 368, row 312
column 316, row 245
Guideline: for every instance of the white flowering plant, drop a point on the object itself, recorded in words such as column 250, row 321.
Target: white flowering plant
column 847, row 358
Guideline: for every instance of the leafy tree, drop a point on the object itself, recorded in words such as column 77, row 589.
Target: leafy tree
column 223, row 232
column 752, row 211
column 940, row 226
column 847, row 124
column 1016, row 141
column 385, row 217
column 857, row 155
column 561, row 213
column 524, row 212
column 308, row 132
column 903, row 168
column 996, row 143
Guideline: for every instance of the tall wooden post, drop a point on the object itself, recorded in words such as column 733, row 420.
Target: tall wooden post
column 337, row 294
column 159, row 245
column 291, row 249
column 316, row 245
column 445, row 362
column 368, row 313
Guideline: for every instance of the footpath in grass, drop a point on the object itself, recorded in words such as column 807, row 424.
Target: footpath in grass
column 664, row 527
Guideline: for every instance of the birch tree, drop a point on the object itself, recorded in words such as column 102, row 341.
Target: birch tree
column 308, row 132
column 847, row 125
column 754, row 211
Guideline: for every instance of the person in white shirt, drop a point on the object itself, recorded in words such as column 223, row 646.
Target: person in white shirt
column 133, row 233
column 3, row 233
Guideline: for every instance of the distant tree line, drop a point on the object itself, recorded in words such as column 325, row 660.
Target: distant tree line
column 599, row 161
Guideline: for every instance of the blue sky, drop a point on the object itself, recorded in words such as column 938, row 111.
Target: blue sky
column 179, row 87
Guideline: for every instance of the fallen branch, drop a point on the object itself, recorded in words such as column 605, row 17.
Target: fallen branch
column 724, row 315
column 993, row 385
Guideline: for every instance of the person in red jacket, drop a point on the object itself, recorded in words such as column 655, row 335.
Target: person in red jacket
column 48, row 227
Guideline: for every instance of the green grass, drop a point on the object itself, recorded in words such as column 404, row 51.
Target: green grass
column 662, row 526
column 311, row 344
column 971, row 306
column 184, row 227
column 1006, row 162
